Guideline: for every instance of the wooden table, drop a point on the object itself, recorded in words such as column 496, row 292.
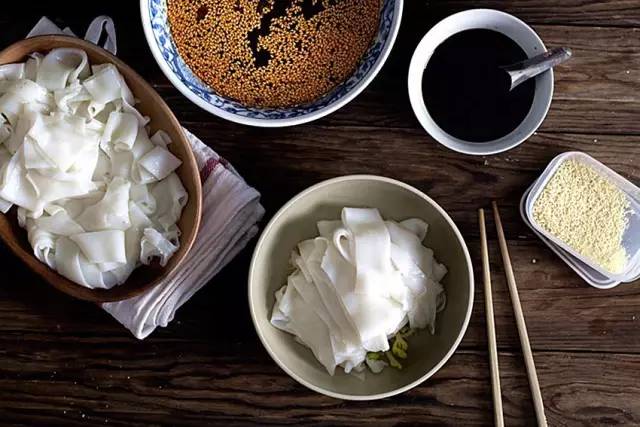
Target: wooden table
column 66, row 362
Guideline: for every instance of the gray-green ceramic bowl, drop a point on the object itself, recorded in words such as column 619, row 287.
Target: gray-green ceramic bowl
column 296, row 221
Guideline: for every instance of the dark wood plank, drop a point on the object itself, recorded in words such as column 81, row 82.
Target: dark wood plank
column 594, row 92
column 63, row 362
column 459, row 183
column 203, row 383
column 308, row 154
column 574, row 12
column 551, row 295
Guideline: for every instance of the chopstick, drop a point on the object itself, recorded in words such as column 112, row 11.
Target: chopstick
column 522, row 327
column 498, row 416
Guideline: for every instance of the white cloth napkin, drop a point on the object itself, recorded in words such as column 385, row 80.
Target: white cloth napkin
column 230, row 211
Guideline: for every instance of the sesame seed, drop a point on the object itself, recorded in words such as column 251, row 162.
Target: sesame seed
column 273, row 53
column 585, row 210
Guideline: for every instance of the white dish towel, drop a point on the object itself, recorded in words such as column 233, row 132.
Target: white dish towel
column 230, row 211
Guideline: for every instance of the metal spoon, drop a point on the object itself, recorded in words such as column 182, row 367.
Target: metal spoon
column 522, row 71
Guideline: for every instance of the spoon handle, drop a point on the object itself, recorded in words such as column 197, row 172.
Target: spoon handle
column 523, row 71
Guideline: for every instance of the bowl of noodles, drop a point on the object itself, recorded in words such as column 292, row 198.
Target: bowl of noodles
column 310, row 301
column 271, row 63
column 74, row 206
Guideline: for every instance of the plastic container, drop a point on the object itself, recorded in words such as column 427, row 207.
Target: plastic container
column 631, row 237
column 588, row 274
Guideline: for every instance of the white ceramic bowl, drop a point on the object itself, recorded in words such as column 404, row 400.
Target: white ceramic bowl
column 297, row 221
column 489, row 19
column 158, row 34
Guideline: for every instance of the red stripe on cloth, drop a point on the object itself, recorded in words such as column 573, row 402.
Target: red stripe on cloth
column 208, row 167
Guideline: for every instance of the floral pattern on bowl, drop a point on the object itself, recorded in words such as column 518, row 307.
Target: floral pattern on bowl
column 155, row 20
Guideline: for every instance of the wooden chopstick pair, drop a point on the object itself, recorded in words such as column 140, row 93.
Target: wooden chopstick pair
column 491, row 328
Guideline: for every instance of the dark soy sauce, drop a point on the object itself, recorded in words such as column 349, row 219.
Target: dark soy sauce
column 467, row 93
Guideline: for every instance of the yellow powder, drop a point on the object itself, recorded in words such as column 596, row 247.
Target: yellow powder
column 587, row 212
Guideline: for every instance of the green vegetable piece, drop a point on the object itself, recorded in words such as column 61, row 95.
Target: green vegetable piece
column 400, row 347
column 393, row 362
column 374, row 356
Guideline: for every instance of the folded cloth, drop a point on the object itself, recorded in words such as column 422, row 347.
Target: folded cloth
column 230, row 211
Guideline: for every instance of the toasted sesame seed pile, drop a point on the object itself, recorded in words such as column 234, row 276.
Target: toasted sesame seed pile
column 273, row 53
column 587, row 212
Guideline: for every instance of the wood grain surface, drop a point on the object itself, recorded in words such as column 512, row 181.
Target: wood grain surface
column 64, row 362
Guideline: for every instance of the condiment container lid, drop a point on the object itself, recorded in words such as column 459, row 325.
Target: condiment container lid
column 631, row 237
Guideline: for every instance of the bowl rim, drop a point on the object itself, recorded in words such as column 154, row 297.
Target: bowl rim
column 267, row 231
column 271, row 123
column 116, row 293
column 416, row 97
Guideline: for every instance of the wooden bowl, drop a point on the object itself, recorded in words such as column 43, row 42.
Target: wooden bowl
column 152, row 105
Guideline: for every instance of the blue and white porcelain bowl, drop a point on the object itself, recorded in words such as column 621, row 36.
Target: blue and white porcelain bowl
column 158, row 34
